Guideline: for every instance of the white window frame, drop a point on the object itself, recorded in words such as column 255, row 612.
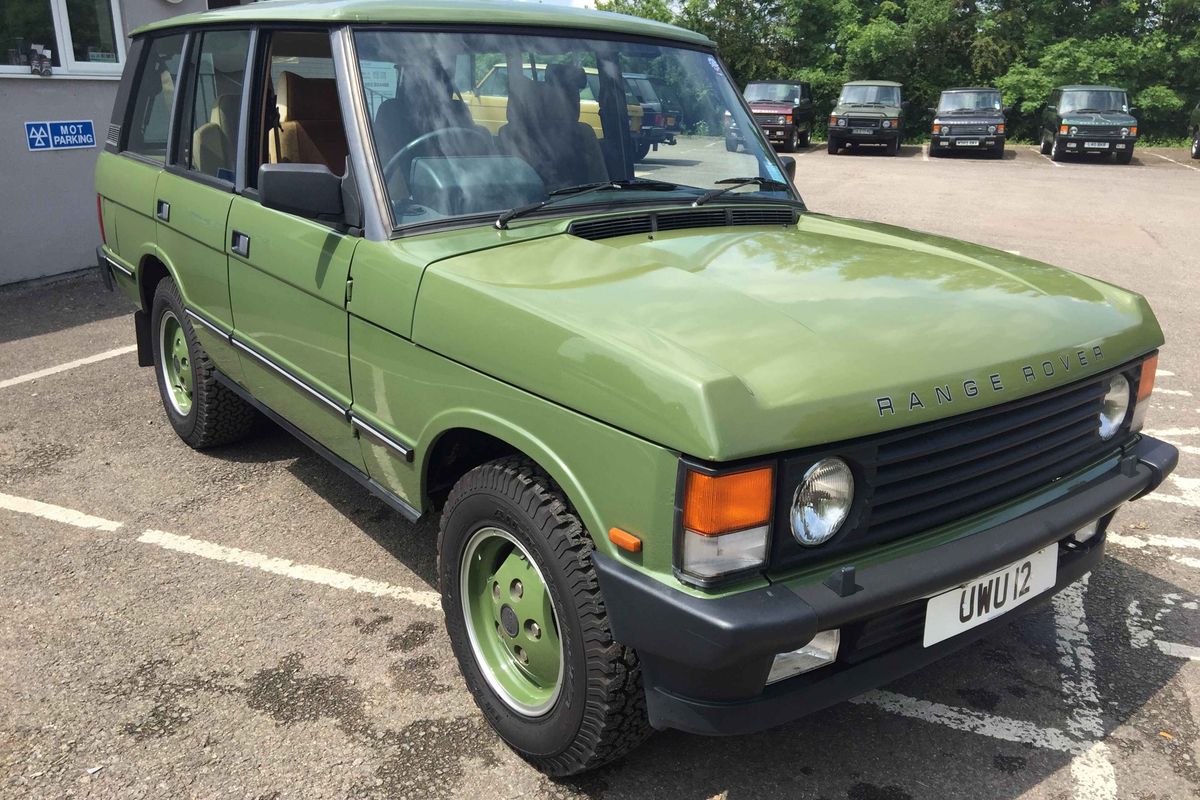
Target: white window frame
column 63, row 48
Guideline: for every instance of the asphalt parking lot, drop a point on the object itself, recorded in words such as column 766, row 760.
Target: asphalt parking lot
column 249, row 623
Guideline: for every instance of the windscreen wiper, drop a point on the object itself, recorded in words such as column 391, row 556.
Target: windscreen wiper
column 763, row 183
column 583, row 188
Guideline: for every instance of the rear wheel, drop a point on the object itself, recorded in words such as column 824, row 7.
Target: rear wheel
column 1196, row 144
column 806, row 139
column 643, row 150
column 1045, row 145
column 731, row 144
column 528, row 625
column 202, row 411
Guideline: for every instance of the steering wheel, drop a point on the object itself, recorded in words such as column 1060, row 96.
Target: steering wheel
column 407, row 153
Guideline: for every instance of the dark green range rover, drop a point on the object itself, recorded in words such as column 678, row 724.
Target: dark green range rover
column 970, row 119
column 1088, row 119
column 701, row 458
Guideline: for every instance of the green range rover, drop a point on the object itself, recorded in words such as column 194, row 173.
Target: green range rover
column 703, row 459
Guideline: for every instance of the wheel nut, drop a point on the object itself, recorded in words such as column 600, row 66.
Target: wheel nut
column 495, row 591
column 517, row 589
column 521, row 656
column 533, row 629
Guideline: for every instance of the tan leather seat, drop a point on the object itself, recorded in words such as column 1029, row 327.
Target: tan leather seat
column 213, row 144
column 544, row 128
column 310, row 123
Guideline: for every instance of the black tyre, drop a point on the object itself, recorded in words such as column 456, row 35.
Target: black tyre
column 998, row 151
column 806, row 139
column 516, row 578
column 893, row 147
column 643, row 150
column 1196, row 145
column 202, row 411
column 1057, row 151
column 833, row 147
column 1045, row 145
column 731, row 144
column 1125, row 158
column 789, row 146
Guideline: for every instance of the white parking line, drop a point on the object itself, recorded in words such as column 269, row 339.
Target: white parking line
column 1180, row 392
column 1138, row 542
column 925, row 153
column 1141, row 630
column 1179, row 650
column 56, row 513
column 79, row 362
column 1173, row 161
column 289, row 569
column 1189, row 492
column 1053, row 163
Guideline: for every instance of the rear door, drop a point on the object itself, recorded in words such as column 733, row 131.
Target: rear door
column 196, row 189
column 288, row 275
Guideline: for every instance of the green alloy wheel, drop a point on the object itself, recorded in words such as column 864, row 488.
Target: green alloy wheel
column 527, row 621
column 176, row 363
column 511, row 622
column 202, row 411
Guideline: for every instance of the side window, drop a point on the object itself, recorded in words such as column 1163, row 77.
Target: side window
column 150, row 109
column 212, row 106
column 300, row 119
column 495, row 84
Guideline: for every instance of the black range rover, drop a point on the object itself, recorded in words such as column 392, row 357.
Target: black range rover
column 1089, row 119
column 969, row 119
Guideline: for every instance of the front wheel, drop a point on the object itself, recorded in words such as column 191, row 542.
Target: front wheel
column 833, row 147
column 528, row 625
column 806, row 139
column 1045, row 145
column 998, row 151
column 1125, row 157
column 1057, row 152
column 1196, row 145
column 202, row 411
column 893, row 147
column 789, row 146
column 731, row 144
column 643, row 150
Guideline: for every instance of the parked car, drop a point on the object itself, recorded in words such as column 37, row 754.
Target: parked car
column 969, row 119
column 868, row 112
column 654, row 119
column 1194, row 130
column 1079, row 120
column 700, row 459
column 672, row 107
column 783, row 110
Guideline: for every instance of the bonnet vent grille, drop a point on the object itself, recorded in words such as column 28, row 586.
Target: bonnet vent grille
column 609, row 227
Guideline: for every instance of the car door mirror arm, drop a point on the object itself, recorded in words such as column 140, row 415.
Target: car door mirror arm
column 306, row 190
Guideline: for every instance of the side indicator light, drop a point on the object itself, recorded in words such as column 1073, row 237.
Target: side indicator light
column 1146, row 382
column 625, row 540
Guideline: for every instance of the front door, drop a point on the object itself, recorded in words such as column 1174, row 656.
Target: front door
column 287, row 275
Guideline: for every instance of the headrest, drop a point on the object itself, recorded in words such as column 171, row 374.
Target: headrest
column 566, row 76
column 300, row 98
column 225, row 112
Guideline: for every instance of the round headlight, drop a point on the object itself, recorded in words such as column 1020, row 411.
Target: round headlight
column 1073, row 130
column 822, row 501
column 887, row 123
column 842, row 122
column 1115, row 407
column 945, row 130
column 1124, row 131
column 991, row 128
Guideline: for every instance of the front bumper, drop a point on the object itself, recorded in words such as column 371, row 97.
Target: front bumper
column 1108, row 144
column 876, row 135
column 776, row 133
column 705, row 661
column 977, row 142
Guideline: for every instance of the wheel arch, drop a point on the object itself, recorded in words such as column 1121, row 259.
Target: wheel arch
column 460, row 440
column 152, row 268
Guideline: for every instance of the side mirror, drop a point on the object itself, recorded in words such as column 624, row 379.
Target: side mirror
column 789, row 167
column 931, row 110
column 1133, row 110
column 1052, row 108
column 306, row 190
column 1007, row 110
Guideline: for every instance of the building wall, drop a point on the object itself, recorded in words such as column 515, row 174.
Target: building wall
column 47, row 201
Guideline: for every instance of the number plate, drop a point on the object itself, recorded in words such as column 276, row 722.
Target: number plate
column 1096, row 145
column 862, row 131
column 983, row 599
column 968, row 143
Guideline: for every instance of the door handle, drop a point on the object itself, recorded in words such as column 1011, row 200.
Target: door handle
column 240, row 244
column 162, row 210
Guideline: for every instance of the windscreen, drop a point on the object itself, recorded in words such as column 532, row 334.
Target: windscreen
column 1093, row 100
column 959, row 102
column 472, row 123
column 773, row 93
column 870, row 95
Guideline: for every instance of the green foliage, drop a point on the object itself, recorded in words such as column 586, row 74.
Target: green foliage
column 1149, row 47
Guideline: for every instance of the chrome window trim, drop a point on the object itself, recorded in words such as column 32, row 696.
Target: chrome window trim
column 377, row 210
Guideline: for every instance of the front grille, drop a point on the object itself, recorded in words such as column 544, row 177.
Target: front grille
column 609, row 227
column 769, row 119
column 929, row 475
column 863, row 122
column 1099, row 130
column 969, row 130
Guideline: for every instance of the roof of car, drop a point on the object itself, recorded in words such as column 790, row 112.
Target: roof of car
column 498, row 12
column 971, row 89
column 780, row 80
column 1090, row 87
column 872, row 83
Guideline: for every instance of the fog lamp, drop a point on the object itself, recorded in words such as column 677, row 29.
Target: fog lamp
column 1087, row 532
column 1115, row 407
column 820, row 651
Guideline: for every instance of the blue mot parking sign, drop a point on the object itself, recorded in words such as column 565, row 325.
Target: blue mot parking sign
column 70, row 135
